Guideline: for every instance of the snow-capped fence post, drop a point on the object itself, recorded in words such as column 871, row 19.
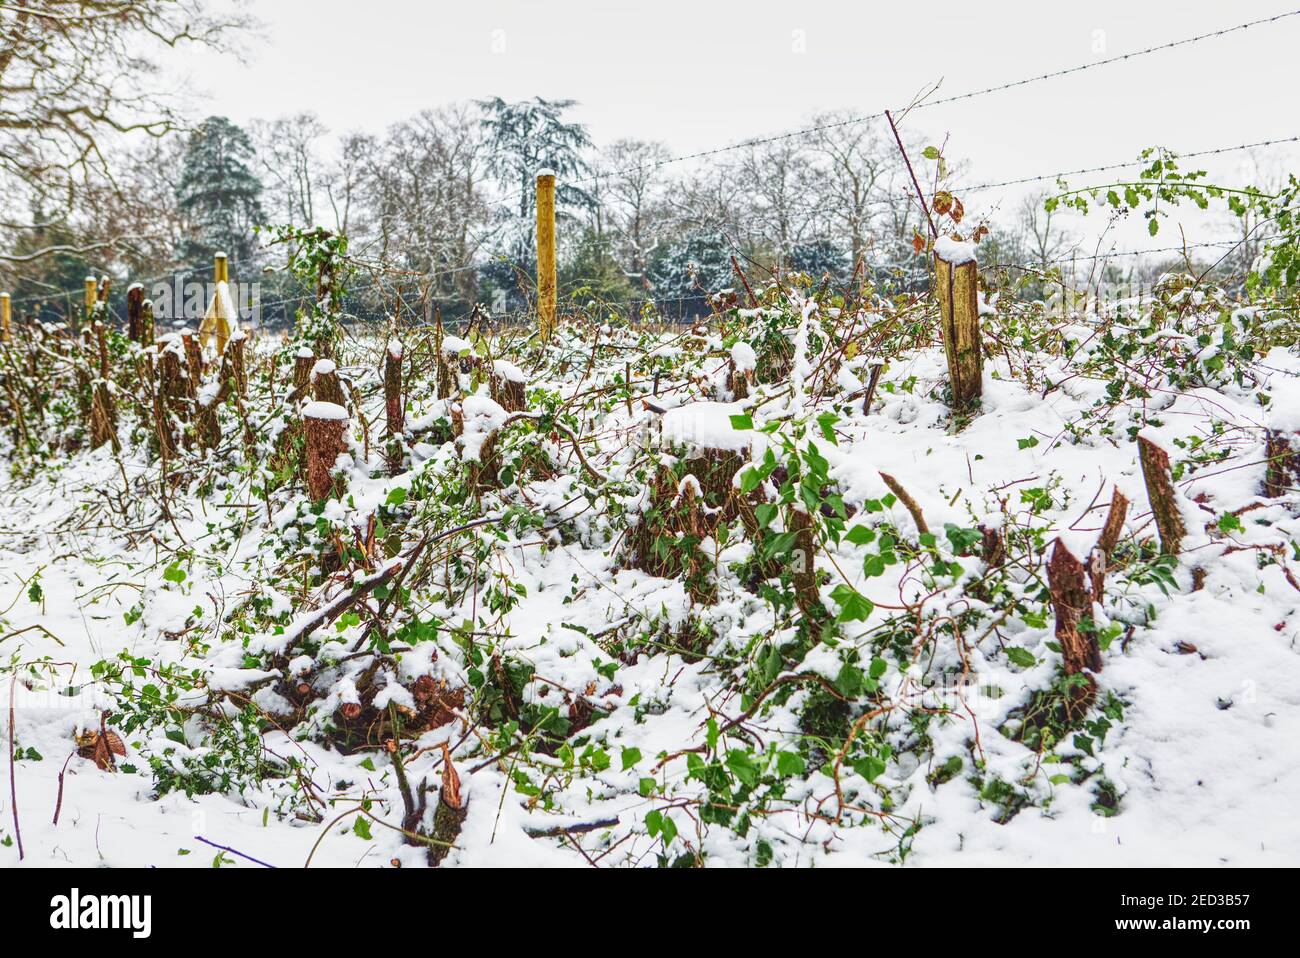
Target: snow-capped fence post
column 4, row 317
column 1164, row 501
column 325, row 424
column 546, row 278
column 221, row 319
column 956, row 279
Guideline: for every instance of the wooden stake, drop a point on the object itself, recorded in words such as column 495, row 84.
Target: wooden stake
column 103, row 411
column 221, row 269
column 1164, row 501
column 959, row 318
column 4, row 317
column 546, row 278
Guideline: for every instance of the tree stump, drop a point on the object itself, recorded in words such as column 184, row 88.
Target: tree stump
column 508, row 386
column 956, row 278
column 394, row 411
column 1099, row 558
column 103, row 411
column 1282, row 474
column 302, row 366
column 804, row 569
column 325, row 425
column 449, row 816
column 135, row 313
column 170, row 396
column 1164, row 500
column 1072, row 598
column 326, row 385
column 235, row 371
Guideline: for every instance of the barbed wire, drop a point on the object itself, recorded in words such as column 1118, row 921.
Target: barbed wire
column 866, row 117
column 1125, row 165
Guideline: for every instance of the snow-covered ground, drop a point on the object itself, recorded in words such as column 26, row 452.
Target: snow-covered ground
column 1201, row 762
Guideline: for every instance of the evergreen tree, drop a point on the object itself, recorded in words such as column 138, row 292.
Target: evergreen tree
column 817, row 258
column 685, row 271
column 531, row 135
column 52, row 275
column 219, row 195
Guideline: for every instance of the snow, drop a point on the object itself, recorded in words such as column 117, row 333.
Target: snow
column 1284, row 404
column 324, row 410
column 954, row 251
column 742, row 355
column 482, row 417
column 323, row 367
column 706, row 425
column 508, row 371
column 455, row 346
column 1200, row 758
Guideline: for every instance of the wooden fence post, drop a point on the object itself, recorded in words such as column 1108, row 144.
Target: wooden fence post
column 92, row 297
column 546, row 279
column 103, row 411
column 220, row 321
column 956, row 280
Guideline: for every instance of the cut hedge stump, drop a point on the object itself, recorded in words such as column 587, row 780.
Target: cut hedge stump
column 325, row 425
column 1164, row 501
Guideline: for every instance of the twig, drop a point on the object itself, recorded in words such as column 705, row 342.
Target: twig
column 13, row 781
column 934, row 233
column 233, row 851
column 906, row 499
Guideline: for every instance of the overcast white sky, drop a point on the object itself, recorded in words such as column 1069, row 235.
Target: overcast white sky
column 705, row 73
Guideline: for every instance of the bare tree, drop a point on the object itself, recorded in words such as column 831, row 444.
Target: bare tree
column 780, row 180
column 289, row 165
column 1043, row 236
column 631, row 195
column 73, row 79
column 422, row 193
column 854, row 162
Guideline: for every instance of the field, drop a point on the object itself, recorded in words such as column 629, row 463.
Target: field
column 755, row 591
